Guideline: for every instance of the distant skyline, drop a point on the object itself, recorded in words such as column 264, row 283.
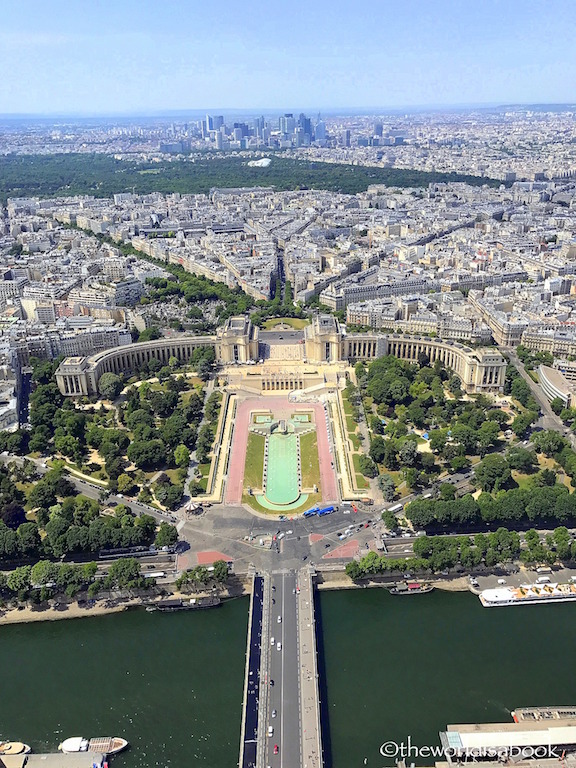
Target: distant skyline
column 142, row 57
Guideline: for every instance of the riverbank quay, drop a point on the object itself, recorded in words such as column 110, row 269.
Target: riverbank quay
column 332, row 580
column 78, row 610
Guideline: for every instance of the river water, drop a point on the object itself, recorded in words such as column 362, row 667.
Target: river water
column 407, row 666
column 171, row 684
column 397, row 667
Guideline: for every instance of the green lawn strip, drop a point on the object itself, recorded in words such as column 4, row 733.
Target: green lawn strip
column 309, row 460
column 254, row 466
column 361, row 481
column 294, row 322
column 350, row 424
column 355, row 440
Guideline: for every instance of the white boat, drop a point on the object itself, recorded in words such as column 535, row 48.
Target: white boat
column 528, row 594
column 532, row 714
column 13, row 748
column 107, row 745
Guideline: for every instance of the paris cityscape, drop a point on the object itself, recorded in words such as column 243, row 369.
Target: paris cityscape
column 314, row 367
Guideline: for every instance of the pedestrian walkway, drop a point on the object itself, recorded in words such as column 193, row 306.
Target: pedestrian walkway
column 309, row 683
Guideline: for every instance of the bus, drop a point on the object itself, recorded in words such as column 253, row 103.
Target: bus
column 311, row 512
column 325, row 511
column 396, row 508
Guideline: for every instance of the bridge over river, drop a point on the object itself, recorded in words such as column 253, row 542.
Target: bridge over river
column 281, row 718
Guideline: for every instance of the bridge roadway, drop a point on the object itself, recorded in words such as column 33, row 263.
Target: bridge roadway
column 281, row 719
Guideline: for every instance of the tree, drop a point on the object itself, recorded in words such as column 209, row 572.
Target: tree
column 390, row 460
column 447, row 492
column 220, row 572
column 438, row 440
column 520, row 390
column 18, row 580
column 522, row 423
column 204, row 369
column 43, row 573
column 13, row 515
column 493, row 473
column 387, row 486
column 109, row 385
column 150, row 334
column 367, row 466
column 521, row 459
column 167, row 535
column 147, row 454
column 390, row 520
column 181, row 456
column 68, row 446
column 9, row 547
column 488, row 434
column 353, row 570
column 28, row 539
column 548, row 442
column 408, row 453
column 544, row 478
column 125, row 483
column 378, row 449
column 455, row 385
column 557, row 405
column 465, row 436
column 124, row 574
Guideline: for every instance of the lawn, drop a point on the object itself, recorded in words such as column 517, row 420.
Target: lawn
column 309, row 460
column 174, row 475
column 524, row 481
column 254, row 466
column 355, row 440
column 350, row 424
column 361, row 481
column 294, row 322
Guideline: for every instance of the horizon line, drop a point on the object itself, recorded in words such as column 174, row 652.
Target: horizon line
column 333, row 110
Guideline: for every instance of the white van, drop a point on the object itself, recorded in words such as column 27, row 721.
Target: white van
column 543, row 580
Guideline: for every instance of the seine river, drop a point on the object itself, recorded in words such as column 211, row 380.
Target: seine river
column 397, row 668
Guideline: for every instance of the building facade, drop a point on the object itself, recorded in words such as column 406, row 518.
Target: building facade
column 325, row 341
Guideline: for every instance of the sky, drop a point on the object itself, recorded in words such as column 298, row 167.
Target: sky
column 109, row 57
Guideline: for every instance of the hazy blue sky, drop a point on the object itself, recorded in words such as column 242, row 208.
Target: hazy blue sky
column 110, row 56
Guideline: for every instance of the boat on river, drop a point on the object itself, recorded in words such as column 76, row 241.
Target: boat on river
column 534, row 714
column 410, row 588
column 106, row 745
column 528, row 594
column 13, row 748
column 177, row 604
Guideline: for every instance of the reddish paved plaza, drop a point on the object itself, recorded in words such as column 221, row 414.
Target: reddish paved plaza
column 348, row 550
column 235, row 482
